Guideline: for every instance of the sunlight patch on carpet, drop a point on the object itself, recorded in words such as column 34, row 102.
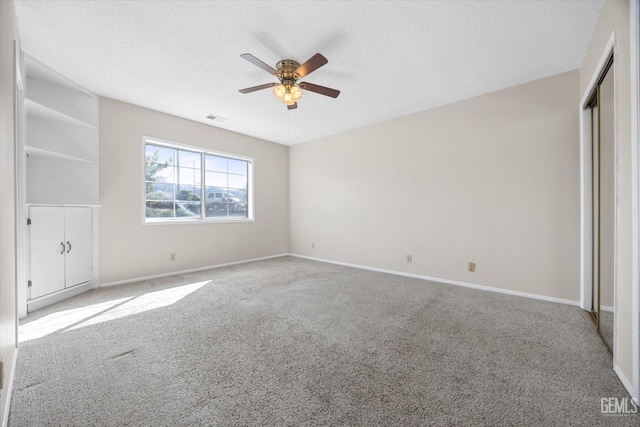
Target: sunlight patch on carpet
column 146, row 302
column 102, row 312
column 63, row 319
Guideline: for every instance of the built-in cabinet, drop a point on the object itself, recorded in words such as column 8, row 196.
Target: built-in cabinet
column 61, row 185
column 60, row 243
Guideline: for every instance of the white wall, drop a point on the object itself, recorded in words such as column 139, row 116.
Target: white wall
column 492, row 180
column 8, row 33
column 129, row 249
column 615, row 18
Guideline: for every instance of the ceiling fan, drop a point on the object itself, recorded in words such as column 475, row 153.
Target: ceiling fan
column 288, row 73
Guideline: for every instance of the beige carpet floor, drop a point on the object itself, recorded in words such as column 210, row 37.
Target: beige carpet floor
column 291, row 342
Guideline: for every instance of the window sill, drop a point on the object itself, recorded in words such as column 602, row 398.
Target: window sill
column 197, row 221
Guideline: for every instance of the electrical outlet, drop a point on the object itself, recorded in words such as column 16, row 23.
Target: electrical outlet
column 313, row 245
column 472, row 267
column 172, row 256
column 409, row 259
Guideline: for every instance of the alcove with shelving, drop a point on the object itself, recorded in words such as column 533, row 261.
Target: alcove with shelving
column 61, row 139
column 61, row 181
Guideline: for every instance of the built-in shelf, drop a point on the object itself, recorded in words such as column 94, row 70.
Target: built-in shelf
column 61, row 139
column 39, row 152
column 38, row 70
column 37, row 109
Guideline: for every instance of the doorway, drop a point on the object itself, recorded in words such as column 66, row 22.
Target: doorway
column 601, row 111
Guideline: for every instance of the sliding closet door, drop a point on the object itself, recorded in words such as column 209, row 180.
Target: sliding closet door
column 595, row 209
column 606, row 206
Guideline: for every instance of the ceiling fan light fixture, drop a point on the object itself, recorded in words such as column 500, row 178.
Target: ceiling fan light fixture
column 288, row 98
column 296, row 93
column 279, row 91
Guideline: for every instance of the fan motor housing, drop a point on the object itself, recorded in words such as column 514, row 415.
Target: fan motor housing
column 286, row 69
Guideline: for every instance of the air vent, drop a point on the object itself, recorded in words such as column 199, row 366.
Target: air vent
column 216, row 118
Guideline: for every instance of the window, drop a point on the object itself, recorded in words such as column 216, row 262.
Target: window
column 191, row 184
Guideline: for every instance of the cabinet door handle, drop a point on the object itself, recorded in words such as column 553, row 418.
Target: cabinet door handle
column 62, row 244
column 69, row 248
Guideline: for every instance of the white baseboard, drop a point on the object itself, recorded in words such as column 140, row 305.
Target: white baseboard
column 14, row 362
column 606, row 308
column 624, row 380
column 191, row 270
column 43, row 301
column 447, row 281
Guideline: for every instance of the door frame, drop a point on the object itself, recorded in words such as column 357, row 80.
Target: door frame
column 634, row 62
column 21, row 233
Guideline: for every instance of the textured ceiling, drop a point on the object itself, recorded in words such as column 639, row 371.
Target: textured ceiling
column 388, row 58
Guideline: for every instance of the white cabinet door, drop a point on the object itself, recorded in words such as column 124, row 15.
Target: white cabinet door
column 78, row 243
column 46, row 250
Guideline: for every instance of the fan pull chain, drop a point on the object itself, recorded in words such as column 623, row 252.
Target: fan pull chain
column 288, row 126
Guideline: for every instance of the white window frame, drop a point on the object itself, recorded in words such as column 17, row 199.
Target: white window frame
column 202, row 219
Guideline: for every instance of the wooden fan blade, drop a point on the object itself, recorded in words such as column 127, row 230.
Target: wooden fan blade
column 255, row 61
column 292, row 107
column 255, row 88
column 315, row 62
column 327, row 91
